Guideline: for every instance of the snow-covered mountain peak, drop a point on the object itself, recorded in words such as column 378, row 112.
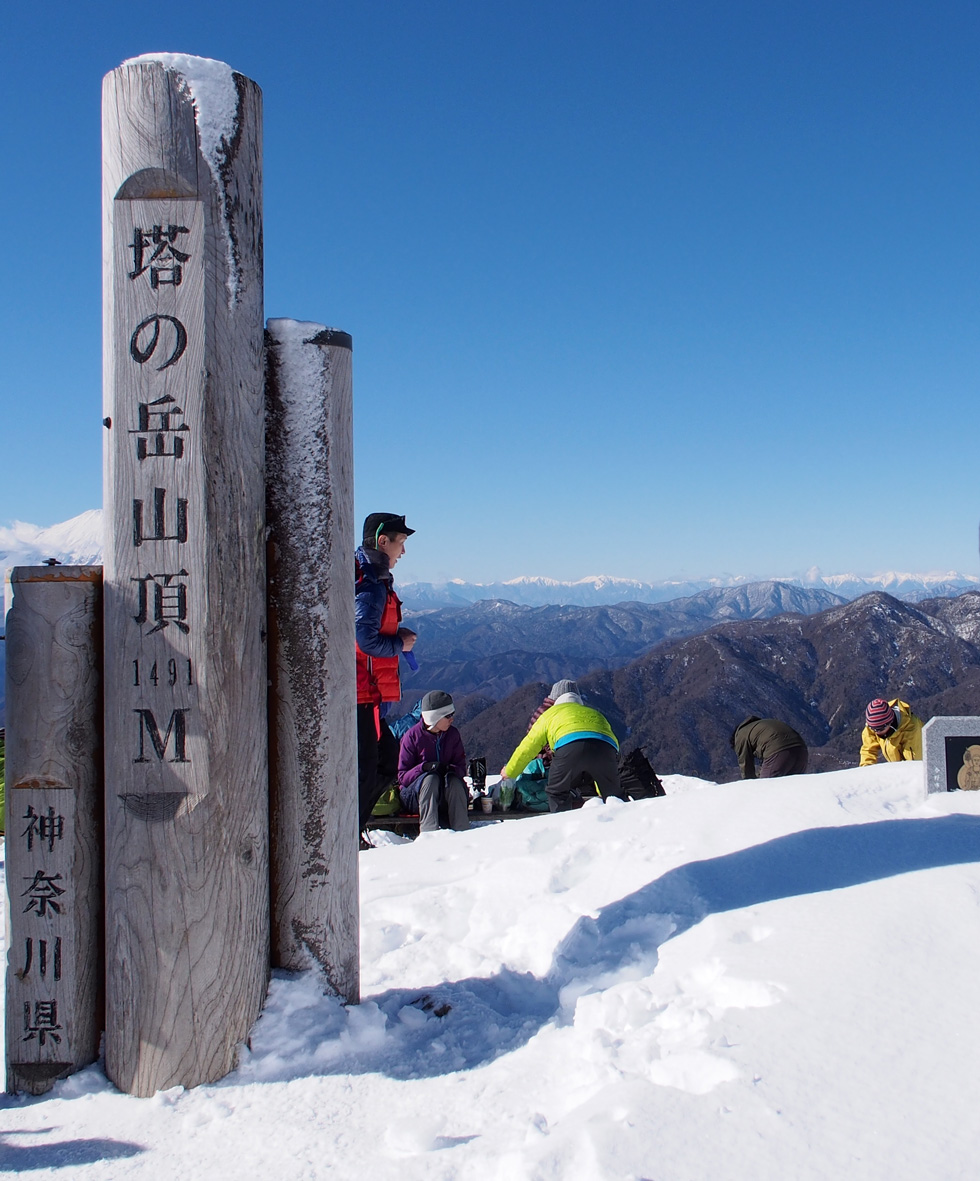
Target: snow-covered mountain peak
column 77, row 541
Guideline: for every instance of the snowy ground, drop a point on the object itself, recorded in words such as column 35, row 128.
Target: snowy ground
column 761, row 980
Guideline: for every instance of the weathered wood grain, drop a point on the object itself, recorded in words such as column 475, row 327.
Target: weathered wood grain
column 54, row 792
column 312, row 699
column 187, row 908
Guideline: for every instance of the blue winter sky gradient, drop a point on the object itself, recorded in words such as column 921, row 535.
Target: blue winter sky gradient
column 648, row 289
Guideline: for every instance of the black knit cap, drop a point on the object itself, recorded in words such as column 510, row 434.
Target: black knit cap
column 377, row 523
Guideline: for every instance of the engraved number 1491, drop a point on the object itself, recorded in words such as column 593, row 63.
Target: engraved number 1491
column 175, row 670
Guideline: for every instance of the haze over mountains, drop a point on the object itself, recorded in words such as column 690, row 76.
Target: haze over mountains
column 602, row 589
column 79, row 540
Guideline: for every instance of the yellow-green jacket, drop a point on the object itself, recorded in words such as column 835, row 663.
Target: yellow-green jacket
column 905, row 744
column 558, row 725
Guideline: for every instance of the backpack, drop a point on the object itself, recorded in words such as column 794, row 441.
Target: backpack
column 529, row 788
column 637, row 778
column 390, row 803
column 401, row 726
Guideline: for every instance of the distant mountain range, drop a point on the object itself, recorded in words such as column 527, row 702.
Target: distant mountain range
column 493, row 647
column 675, row 671
column 80, row 541
column 603, row 589
column 681, row 701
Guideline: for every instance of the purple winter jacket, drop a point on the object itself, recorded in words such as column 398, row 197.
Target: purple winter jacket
column 420, row 745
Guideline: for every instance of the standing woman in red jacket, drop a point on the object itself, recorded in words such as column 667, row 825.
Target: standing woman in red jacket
column 380, row 642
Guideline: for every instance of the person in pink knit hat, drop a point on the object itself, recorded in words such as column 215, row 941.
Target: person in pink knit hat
column 891, row 731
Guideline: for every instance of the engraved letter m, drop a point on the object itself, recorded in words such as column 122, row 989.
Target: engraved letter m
column 150, row 729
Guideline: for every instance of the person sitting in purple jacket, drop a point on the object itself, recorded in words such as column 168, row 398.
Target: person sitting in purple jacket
column 431, row 765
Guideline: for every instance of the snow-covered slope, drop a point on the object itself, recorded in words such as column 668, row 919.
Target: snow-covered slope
column 763, row 980
column 78, row 541
column 75, row 542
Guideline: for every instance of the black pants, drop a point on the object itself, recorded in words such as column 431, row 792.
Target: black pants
column 578, row 768
column 377, row 761
column 791, row 761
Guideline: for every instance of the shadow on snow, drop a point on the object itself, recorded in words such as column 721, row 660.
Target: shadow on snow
column 494, row 1015
column 62, row 1154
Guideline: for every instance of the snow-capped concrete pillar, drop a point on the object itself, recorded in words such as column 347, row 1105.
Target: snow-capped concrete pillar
column 54, row 824
column 313, row 743
column 187, row 907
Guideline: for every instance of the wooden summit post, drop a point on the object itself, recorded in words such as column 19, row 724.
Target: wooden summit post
column 312, row 724
column 54, row 824
column 187, row 908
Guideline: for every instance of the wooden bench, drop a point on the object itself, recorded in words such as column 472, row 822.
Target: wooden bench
column 408, row 825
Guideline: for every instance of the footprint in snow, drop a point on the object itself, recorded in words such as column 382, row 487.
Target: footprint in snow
column 572, row 871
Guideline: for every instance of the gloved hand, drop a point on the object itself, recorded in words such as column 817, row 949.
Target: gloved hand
column 434, row 768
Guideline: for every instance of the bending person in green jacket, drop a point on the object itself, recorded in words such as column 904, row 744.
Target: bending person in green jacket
column 585, row 750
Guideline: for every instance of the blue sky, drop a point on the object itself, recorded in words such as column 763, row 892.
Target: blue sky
column 648, row 289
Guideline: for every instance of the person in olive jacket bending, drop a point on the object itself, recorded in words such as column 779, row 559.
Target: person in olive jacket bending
column 780, row 749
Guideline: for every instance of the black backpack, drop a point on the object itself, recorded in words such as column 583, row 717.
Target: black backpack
column 637, row 778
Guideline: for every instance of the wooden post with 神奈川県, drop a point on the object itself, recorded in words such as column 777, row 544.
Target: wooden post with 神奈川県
column 53, row 859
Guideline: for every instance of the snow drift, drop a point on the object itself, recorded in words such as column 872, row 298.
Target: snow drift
column 767, row 979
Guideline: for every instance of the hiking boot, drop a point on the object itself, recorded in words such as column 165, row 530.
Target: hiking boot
column 566, row 801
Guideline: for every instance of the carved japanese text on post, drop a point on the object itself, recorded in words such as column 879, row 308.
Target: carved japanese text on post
column 41, row 893
column 154, row 732
column 185, row 696
column 53, row 823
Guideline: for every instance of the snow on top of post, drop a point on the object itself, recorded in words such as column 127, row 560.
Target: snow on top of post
column 212, row 89
column 295, row 332
column 214, row 95
column 301, row 394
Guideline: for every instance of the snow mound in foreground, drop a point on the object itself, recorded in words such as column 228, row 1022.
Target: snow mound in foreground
column 765, row 979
